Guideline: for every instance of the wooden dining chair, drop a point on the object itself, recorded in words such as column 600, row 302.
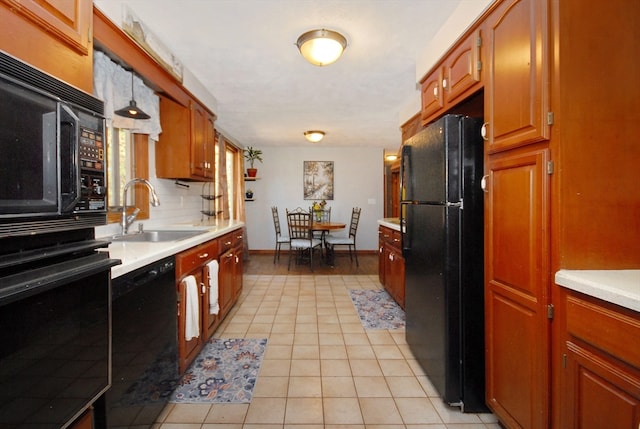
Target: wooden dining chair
column 301, row 240
column 280, row 239
column 332, row 240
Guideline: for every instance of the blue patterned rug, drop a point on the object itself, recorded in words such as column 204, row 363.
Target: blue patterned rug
column 377, row 310
column 225, row 371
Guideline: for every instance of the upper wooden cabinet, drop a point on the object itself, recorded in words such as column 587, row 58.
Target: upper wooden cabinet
column 186, row 148
column 53, row 35
column 517, row 76
column 454, row 79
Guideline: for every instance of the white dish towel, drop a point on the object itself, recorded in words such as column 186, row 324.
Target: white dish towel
column 212, row 266
column 192, row 318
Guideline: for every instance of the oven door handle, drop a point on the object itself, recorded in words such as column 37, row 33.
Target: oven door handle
column 32, row 282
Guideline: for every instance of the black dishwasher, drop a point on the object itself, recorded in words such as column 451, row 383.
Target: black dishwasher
column 145, row 347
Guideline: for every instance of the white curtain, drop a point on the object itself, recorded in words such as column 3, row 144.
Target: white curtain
column 112, row 84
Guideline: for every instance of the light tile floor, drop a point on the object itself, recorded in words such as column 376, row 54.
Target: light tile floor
column 321, row 368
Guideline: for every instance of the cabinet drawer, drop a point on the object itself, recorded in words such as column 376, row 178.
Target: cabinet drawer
column 605, row 329
column 396, row 240
column 195, row 257
column 226, row 242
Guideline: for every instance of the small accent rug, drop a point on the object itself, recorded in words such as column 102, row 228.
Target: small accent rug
column 225, row 371
column 377, row 310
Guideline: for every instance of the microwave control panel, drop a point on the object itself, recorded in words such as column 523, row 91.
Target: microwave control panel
column 92, row 171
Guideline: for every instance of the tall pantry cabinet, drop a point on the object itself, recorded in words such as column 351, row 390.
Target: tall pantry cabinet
column 517, row 165
column 561, row 94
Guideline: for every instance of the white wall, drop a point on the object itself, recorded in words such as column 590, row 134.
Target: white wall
column 358, row 182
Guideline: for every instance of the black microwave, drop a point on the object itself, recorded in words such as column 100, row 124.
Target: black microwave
column 52, row 153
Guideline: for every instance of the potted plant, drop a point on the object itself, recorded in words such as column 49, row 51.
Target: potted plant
column 248, row 194
column 252, row 155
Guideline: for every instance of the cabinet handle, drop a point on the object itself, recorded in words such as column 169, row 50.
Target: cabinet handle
column 381, row 249
column 444, row 83
column 227, row 243
column 203, row 255
column 483, row 183
column 204, row 288
column 484, row 132
column 237, row 259
column 391, row 256
column 230, row 255
column 435, row 92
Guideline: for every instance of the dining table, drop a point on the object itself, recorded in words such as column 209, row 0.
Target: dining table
column 326, row 227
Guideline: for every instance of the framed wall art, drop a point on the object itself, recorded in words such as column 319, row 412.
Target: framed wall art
column 318, row 180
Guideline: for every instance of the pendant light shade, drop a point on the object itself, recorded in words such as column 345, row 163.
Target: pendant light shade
column 132, row 110
column 321, row 47
column 314, row 136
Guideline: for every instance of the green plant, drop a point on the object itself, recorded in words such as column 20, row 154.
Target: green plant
column 252, row 155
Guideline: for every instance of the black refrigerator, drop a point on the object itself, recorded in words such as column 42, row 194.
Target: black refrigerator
column 442, row 241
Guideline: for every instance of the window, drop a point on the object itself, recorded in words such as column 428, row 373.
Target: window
column 119, row 165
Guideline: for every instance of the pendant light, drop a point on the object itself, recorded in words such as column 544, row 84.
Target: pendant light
column 132, row 110
column 321, row 47
column 314, row 136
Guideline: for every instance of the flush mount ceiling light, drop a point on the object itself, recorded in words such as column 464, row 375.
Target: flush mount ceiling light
column 321, row 47
column 314, row 136
column 132, row 110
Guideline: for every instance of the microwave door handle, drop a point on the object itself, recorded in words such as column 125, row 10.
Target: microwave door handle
column 69, row 147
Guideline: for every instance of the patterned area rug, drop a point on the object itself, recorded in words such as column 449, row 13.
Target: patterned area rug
column 377, row 310
column 225, row 371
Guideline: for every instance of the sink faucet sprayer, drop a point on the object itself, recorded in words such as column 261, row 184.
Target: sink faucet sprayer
column 128, row 220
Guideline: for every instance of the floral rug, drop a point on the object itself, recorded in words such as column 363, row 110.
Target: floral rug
column 225, row 371
column 377, row 310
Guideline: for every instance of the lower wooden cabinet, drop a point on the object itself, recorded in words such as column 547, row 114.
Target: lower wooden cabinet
column 195, row 262
column 85, row 421
column 602, row 366
column 391, row 263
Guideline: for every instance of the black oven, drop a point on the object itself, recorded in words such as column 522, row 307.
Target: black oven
column 52, row 153
column 55, row 311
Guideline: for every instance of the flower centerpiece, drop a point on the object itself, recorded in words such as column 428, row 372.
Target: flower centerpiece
column 317, row 209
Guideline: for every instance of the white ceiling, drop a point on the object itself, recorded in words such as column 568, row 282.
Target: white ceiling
column 243, row 52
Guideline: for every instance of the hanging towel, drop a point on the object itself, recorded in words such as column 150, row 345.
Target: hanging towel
column 212, row 266
column 192, row 319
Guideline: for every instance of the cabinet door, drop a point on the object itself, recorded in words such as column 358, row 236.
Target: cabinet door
column 225, row 279
column 600, row 394
column 173, row 154
column 383, row 234
column 396, row 276
column 462, row 71
column 237, row 273
column 198, row 140
column 69, row 20
column 432, row 96
column 209, row 321
column 517, row 288
column 209, row 147
column 187, row 350
column 517, row 88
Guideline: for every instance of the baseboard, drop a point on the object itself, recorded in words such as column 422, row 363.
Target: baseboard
column 284, row 251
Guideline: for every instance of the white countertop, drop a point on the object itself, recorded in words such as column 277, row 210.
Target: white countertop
column 136, row 255
column 621, row 287
column 390, row 222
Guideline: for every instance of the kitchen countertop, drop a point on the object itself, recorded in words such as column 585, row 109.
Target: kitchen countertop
column 390, row 222
column 621, row 287
column 136, row 255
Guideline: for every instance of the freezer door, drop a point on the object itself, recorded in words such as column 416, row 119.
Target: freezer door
column 432, row 295
column 431, row 162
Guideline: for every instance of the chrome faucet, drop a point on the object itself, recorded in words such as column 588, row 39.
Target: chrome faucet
column 128, row 220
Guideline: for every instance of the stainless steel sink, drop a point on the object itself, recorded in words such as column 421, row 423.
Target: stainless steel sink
column 153, row 236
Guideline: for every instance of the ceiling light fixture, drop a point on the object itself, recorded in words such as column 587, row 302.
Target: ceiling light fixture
column 314, row 136
column 391, row 157
column 132, row 110
column 321, row 47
